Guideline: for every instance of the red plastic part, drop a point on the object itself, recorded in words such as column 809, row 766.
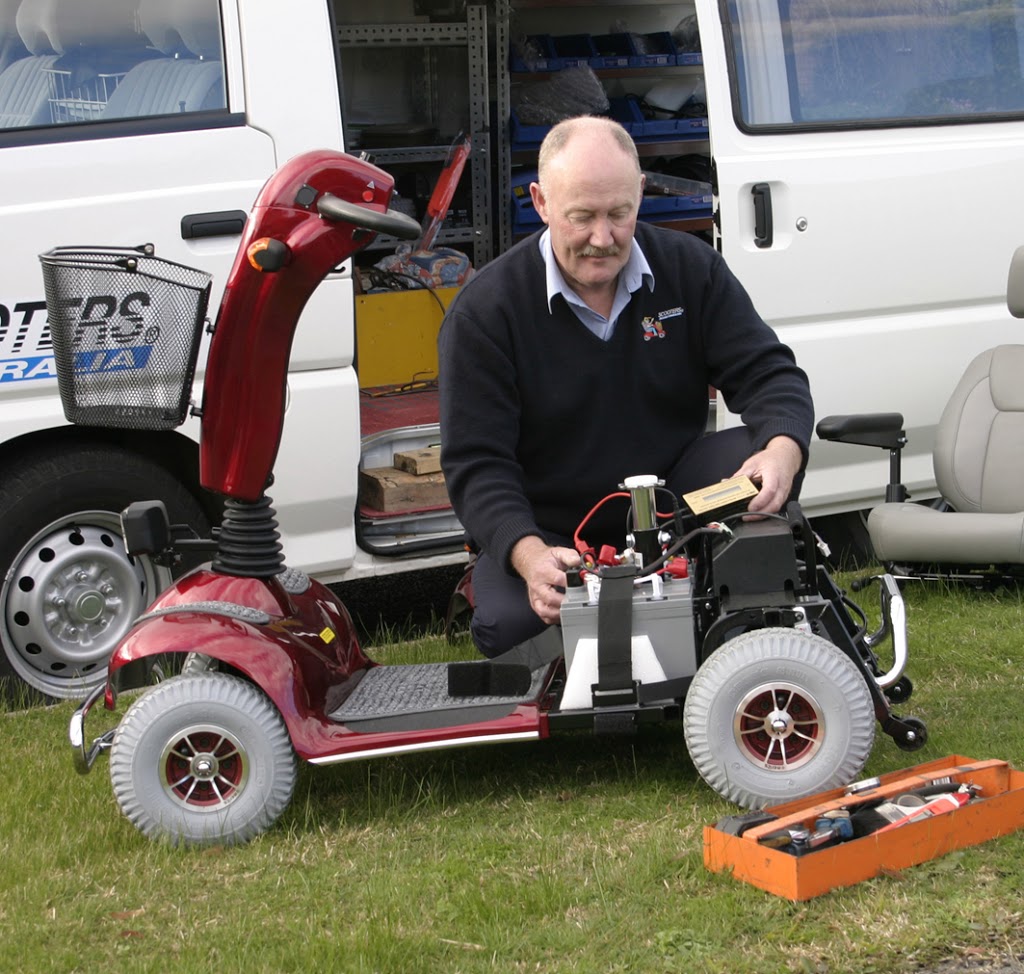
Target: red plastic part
column 290, row 659
column 441, row 198
column 247, row 368
column 607, row 555
column 678, row 568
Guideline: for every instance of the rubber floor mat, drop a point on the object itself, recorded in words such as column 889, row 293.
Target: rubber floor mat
column 388, row 691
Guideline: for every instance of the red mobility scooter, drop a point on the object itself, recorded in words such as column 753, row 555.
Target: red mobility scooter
column 732, row 627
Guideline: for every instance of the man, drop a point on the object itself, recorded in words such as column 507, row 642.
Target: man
column 583, row 356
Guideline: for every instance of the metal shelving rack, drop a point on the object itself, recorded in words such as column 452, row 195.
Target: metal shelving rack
column 471, row 34
column 509, row 156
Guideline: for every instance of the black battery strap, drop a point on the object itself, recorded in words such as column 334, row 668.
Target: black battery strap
column 615, row 685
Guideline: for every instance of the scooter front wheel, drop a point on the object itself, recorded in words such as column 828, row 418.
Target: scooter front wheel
column 202, row 760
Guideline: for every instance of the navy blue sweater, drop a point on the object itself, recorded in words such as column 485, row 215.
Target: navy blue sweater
column 540, row 419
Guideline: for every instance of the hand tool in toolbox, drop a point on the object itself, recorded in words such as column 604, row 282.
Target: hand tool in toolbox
column 865, row 807
column 898, row 820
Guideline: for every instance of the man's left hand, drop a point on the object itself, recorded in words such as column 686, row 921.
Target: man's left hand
column 774, row 468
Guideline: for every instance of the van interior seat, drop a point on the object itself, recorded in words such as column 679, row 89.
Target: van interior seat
column 25, row 82
column 73, row 40
column 12, row 47
column 190, row 76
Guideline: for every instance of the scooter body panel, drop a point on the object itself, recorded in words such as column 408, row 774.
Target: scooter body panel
column 301, row 650
column 247, row 370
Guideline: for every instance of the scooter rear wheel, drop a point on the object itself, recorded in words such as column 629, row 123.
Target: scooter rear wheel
column 202, row 760
column 778, row 714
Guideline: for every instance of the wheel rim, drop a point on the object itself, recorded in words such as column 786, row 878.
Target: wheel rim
column 204, row 767
column 70, row 596
column 779, row 726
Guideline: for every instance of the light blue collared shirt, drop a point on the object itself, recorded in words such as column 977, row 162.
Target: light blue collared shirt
column 636, row 273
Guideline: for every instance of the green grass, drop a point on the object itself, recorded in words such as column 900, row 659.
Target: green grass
column 574, row 854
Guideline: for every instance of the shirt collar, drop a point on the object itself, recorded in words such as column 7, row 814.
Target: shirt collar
column 636, row 272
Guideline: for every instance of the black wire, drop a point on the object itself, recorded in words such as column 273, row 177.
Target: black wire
column 850, row 604
column 382, row 278
column 756, row 514
column 659, row 563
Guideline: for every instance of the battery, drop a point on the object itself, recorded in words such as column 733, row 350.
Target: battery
column 667, row 621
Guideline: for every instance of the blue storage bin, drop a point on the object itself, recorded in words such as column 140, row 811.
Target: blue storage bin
column 542, row 56
column 674, row 207
column 525, row 136
column 691, row 128
column 612, row 51
column 525, row 218
column 627, row 111
column 654, row 50
column 689, row 57
column 574, row 50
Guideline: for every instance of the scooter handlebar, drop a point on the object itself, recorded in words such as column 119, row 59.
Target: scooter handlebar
column 392, row 222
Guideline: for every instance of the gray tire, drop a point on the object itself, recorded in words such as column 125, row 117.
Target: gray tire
column 777, row 714
column 202, row 760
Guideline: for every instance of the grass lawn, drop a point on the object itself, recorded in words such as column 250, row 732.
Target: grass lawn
column 574, row 854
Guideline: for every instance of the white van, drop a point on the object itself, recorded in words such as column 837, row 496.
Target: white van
column 131, row 121
column 867, row 160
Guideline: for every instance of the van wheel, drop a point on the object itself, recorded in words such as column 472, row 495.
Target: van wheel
column 778, row 714
column 70, row 590
column 202, row 759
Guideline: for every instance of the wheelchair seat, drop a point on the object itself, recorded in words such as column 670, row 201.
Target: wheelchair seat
column 979, row 469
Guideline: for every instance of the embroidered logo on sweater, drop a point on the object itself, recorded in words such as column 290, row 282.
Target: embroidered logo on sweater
column 652, row 328
column 670, row 313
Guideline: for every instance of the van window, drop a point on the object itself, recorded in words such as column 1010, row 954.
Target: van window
column 76, row 61
column 860, row 63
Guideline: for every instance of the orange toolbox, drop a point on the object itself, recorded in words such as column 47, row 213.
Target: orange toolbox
column 750, row 852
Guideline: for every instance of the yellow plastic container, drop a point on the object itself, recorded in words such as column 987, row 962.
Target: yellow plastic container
column 396, row 335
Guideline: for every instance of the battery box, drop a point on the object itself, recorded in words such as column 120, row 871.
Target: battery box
column 997, row 810
column 666, row 619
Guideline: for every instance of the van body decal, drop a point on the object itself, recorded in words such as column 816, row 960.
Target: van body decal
column 28, row 367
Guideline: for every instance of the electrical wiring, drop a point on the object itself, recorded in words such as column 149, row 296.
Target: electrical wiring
column 396, row 281
column 581, row 546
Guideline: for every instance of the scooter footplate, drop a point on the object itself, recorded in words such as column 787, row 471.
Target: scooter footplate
column 421, row 688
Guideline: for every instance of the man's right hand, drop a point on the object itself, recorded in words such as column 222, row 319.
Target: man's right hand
column 543, row 567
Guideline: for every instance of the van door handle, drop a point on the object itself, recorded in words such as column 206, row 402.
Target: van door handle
column 763, row 233
column 220, row 223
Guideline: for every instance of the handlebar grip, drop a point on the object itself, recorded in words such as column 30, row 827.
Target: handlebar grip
column 392, row 222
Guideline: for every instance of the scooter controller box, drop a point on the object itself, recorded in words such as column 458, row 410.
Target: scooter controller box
column 997, row 809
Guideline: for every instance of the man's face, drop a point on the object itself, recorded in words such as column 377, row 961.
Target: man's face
column 589, row 201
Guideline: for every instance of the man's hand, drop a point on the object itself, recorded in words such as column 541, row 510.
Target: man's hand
column 774, row 468
column 543, row 569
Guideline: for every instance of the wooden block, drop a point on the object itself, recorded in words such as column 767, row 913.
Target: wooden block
column 420, row 462
column 391, row 490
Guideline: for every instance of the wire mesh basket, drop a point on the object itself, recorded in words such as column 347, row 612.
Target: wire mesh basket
column 126, row 328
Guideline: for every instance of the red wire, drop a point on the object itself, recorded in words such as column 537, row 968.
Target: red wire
column 581, row 545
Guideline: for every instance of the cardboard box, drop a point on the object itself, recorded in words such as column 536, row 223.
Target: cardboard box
column 998, row 810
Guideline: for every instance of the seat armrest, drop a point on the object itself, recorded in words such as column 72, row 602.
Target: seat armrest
column 883, row 430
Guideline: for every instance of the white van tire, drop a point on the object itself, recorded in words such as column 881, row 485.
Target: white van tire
column 70, row 591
